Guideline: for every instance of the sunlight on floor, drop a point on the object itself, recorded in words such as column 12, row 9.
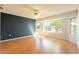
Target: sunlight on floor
column 46, row 44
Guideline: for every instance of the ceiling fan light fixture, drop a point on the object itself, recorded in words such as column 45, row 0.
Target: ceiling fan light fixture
column 36, row 13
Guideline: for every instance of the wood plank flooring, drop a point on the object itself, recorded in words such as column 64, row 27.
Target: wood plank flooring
column 38, row 45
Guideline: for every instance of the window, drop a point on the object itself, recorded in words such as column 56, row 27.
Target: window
column 73, row 26
column 53, row 26
column 38, row 25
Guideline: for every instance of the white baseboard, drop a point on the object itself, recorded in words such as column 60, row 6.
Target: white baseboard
column 15, row 38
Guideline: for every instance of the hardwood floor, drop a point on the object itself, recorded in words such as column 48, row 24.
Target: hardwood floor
column 37, row 45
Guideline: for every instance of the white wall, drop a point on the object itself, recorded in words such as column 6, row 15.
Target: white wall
column 78, row 29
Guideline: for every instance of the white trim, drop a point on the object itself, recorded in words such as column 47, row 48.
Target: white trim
column 15, row 38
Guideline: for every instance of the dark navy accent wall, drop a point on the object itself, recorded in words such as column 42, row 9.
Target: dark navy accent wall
column 16, row 26
column 0, row 26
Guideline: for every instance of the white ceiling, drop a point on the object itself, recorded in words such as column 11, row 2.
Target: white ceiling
column 45, row 10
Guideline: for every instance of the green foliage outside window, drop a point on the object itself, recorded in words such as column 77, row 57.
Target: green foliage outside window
column 55, row 24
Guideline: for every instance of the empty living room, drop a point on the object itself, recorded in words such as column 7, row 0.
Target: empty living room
column 39, row 28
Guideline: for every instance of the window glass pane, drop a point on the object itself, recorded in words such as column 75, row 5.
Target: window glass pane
column 53, row 26
column 73, row 26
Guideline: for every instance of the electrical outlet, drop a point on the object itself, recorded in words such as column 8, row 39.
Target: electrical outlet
column 10, row 35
